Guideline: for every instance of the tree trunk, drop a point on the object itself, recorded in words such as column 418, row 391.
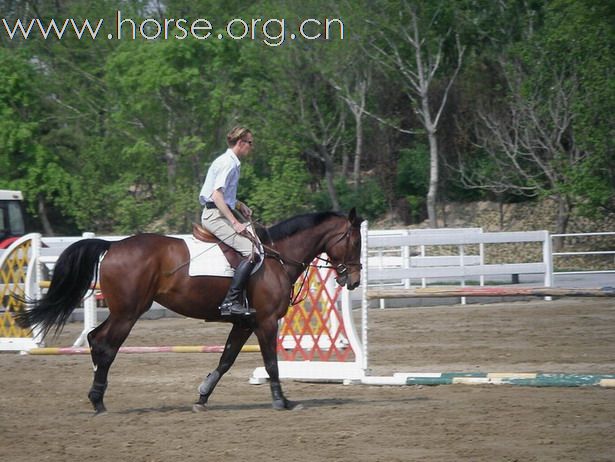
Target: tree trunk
column 500, row 200
column 171, row 160
column 345, row 163
column 42, row 213
column 563, row 217
column 417, row 75
column 432, row 193
column 329, row 177
column 358, row 153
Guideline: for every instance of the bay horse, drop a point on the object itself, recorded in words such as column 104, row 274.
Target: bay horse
column 144, row 268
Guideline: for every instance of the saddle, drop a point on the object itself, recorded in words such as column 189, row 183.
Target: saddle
column 231, row 254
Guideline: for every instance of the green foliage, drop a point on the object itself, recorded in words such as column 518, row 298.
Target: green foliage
column 417, row 205
column 282, row 193
column 411, row 167
column 578, row 42
column 17, row 124
column 116, row 135
column 369, row 200
column 27, row 162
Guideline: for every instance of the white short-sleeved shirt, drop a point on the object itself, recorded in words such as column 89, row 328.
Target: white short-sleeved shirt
column 223, row 173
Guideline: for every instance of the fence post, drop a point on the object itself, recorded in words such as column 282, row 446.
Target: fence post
column 547, row 255
column 364, row 300
column 406, row 260
column 37, row 290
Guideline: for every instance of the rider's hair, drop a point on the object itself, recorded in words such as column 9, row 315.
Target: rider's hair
column 236, row 134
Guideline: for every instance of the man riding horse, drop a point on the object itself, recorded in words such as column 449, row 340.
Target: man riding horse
column 225, row 217
column 138, row 270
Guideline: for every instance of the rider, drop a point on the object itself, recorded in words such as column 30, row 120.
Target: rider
column 225, row 216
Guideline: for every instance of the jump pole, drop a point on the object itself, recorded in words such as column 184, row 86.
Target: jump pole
column 444, row 292
column 528, row 379
column 142, row 349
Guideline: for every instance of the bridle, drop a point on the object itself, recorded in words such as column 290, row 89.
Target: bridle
column 341, row 268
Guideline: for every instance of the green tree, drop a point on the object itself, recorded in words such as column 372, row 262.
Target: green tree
column 414, row 48
column 549, row 134
column 579, row 38
column 26, row 160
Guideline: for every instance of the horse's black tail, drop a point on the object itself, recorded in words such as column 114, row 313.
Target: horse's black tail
column 72, row 275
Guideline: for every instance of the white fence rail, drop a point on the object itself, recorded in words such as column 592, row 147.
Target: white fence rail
column 402, row 255
column 584, row 253
column 396, row 258
column 388, row 269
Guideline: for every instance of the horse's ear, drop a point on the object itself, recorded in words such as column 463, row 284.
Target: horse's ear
column 353, row 218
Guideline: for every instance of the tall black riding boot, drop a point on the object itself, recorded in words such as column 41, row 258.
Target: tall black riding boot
column 232, row 304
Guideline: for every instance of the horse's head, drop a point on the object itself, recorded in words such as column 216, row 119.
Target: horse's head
column 344, row 251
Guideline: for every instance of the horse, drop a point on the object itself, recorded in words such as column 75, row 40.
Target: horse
column 138, row 270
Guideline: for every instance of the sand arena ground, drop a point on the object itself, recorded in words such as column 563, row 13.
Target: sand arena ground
column 45, row 415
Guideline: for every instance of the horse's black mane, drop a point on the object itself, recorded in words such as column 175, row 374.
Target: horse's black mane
column 295, row 224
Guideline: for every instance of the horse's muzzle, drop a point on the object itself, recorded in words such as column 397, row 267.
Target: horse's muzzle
column 343, row 280
column 342, row 277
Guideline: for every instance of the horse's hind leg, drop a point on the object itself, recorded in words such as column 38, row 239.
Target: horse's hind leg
column 105, row 341
column 236, row 340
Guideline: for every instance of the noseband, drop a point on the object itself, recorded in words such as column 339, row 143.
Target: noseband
column 342, row 268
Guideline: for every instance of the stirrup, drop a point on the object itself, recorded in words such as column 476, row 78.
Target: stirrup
column 236, row 309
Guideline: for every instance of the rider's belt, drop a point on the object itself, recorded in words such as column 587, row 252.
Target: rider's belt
column 212, row 205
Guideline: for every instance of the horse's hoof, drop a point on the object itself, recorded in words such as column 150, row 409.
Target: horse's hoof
column 100, row 411
column 199, row 407
column 295, row 406
column 286, row 405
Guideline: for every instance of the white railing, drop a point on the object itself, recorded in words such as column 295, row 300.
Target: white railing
column 415, row 254
column 388, row 271
column 396, row 258
column 374, row 275
column 585, row 253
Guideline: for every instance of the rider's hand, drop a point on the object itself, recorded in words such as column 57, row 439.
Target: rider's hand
column 245, row 210
column 239, row 227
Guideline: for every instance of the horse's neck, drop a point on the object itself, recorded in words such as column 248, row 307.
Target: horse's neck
column 305, row 245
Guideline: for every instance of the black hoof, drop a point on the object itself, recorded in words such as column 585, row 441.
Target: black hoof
column 201, row 404
column 287, row 405
column 199, row 407
column 96, row 395
column 99, row 409
column 98, row 405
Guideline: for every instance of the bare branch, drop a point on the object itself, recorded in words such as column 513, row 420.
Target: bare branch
column 526, row 144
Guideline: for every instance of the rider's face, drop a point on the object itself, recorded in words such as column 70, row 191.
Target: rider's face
column 245, row 145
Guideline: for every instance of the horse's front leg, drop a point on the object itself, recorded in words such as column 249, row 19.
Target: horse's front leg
column 236, row 340
column 267, row 334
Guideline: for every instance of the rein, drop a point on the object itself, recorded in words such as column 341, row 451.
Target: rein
column 272, row 252
column 341, row 269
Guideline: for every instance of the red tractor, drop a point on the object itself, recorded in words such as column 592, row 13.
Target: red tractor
column 11, row 217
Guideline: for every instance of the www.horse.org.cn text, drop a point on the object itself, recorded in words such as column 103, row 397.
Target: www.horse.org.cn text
column 272, row 32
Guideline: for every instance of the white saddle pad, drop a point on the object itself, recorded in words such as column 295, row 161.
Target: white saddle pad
column 207, row 259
